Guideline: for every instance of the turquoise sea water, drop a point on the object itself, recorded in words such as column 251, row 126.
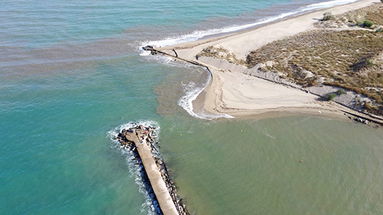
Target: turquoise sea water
column 71, row 71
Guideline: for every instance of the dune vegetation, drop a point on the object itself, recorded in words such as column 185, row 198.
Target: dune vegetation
column 344, row 51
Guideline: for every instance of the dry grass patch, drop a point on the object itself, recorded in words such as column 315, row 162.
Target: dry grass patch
column 221, row 53
column 375, row 14
column 368, row 17
column 349, row 59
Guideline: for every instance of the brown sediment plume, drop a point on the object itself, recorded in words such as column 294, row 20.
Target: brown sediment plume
column 142, row 141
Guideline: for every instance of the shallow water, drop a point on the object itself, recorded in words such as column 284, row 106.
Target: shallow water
column 71, row 71
column 290, row 165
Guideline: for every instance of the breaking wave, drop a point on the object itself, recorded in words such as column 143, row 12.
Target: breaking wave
column 191, row 93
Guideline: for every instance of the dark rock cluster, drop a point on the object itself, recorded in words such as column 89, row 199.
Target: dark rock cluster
column 178, row 201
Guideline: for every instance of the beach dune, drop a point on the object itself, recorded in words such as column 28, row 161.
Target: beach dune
column 235, row 93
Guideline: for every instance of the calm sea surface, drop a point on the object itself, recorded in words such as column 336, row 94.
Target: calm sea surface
column 71, row 71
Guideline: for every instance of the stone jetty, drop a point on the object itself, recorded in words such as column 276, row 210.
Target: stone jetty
column 142, row 141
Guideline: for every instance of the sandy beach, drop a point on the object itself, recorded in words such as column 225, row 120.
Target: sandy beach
column 236, row 93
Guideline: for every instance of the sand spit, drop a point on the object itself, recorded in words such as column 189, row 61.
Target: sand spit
column 239, row 92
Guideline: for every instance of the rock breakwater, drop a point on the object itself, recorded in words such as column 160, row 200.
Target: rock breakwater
column 143, row 141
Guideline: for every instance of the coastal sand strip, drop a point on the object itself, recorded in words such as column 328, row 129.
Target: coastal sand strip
column 241, row 43
column 288, row 99
column 238, row 94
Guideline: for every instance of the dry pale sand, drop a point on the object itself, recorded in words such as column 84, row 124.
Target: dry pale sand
column 239, row 94
column 242, row 96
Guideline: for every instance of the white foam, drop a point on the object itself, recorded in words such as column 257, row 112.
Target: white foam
column 191, row 94
column 146, row 123
column 326, row 4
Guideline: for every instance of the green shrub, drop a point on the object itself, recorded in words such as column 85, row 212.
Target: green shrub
column 370, row 63
column 340, row 92
column 327, row 16
column 331, row 96
column 367, row 24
